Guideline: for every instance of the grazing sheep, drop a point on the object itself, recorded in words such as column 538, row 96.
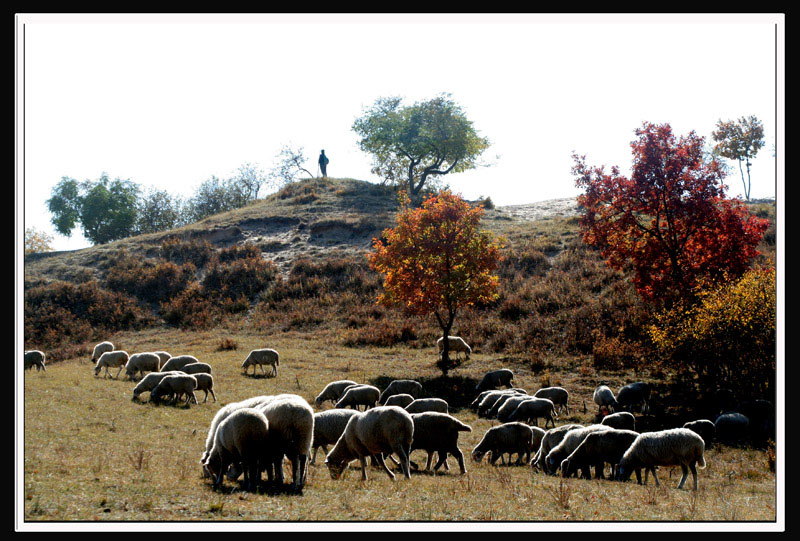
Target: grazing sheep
column 456, row 345
column 177, row 363
column 196, row 368
column 675, row 447
column 558, row 395
column 529, row 410
column 635, row 394
column 421, row 405
column 568, row 444
column 333, row 391
column 384, row 429
column 328, row 428
column 401, row 386
column 142, row 362
column 164, row 356
column 507, row 438
column 621, row 420
column 492, row 412
column 509, row 405
column 223, row 414
column 493, row 380
column 488, row 402
column 205, row 383
column 261, row 357
column 704, row 428
column 174, row 386
column 402, row 400
column 111, row 359
column 476, row 403
column 732, row 428
column 241, row 438
column 551, row 439
column 359, row 395
column 436, row 432
column 35, row 358
column 150, row 382
column 597, row 449
column 604, row 398
column 291, row 431
column 99, row 349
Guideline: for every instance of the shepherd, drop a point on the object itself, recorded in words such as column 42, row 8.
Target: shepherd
column 323, row 163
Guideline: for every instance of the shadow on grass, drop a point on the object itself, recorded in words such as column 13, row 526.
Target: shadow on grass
column 258, row 376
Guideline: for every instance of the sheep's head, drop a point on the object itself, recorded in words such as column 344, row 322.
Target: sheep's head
column 335, row 468
column 477, row 454
column 96, row 370
column 211, row 466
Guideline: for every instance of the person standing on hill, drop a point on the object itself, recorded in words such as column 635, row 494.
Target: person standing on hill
column 323, row 163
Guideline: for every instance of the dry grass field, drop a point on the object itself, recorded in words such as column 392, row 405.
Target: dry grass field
column 92, row 454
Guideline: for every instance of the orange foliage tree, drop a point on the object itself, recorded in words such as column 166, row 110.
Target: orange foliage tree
column 437, row 261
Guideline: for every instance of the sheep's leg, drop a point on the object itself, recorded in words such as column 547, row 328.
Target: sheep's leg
column 655, row 476
column 213, row 395
column 684, row 475
column 430, row 459
column 638, row 472
column 598, row 471
column 363, row 461
column 456, row 452
column 694, row 474
column 119, row 372
column 382, row 463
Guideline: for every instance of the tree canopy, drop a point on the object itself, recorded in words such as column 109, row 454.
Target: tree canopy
column 739, row 140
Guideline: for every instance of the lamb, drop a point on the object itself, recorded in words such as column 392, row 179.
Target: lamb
column 530, row 409
column 622, row 420
column 111, row 359
column 635, row 394
column 384, row 429
column 401, row 400
column 150, row 382
column 597, row 449
column 142, row 362
column 456, row 345
column 571, row 440
column 359, row 395
column 506, row 438
column 175, row 385
column 35, row 358
column 551, row 439
column 291, row 431
column 205, row 382
column 333, row 391
column 732, row 428
column 421, row 405
column 242, row 438
column 493, row 380
column 604, row 398
column 329, row 426
column 261, row 357
column 177, row 363
column 558, row 395
column 675, row 447
column 401, row 386
column 99, row 349
column 704, row 428
column 438, row 432
column 196, row 368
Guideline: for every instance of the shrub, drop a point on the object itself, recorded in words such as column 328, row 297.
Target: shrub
column 195, row 252
column 189, row 309
column 238, row 278
column 150, row 282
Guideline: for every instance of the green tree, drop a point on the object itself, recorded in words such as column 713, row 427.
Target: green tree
column 157, row 211
column 740, row 140
column 413, row 144
column 215, row 195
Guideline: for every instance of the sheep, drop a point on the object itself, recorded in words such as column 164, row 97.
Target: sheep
column 205, row 383
column 196, row 368
column 111, row 359
column 456, row 345
column 333, row 391
column 164, row 356
column 177, row 363
column 401, row 400
column 509, row 405
column 421, row 405
column 359, row 395
column 568, row 444
column 291, row 432
column 704, row 428
column 558, row 395
column 493, row 380
column 488, row 402
column 438, row 432
column 621, row 420
column 476, row 403
column 35, row 358
column 223, row 414
column 597, row 449
column 492, row 412
column 383, row 429
column 635, row 394
column 527, row 410
column 99, row 349
column 150, row 382
column 604, row 398
column 261, row 357
column 242, row 437
column 328, row 427
column 674, row 447
column 401, row 386
column 551, row 439
column 506, row 438
column 142, row 362
column 731, row 428
column 175, row 385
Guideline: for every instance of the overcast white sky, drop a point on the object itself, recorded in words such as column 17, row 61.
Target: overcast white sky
column 169, row 101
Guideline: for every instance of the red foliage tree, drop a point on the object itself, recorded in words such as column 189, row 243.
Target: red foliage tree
column 437, row 261
column 670, row 221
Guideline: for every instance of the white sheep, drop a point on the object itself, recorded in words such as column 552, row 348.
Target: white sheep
column 196, row 368
column 674, row 447
column 175, row 385
column 401, row 400
column 164, row 356
column 99, row 349
column 359, row 395
column 506, row 438
column 622, row 420
column 604, row 398
column 177, row 363
column 438, row 432
column 492, row 412
column 333, row 391
column 558, row 395
column 494, row 379
column 551, row 439
column 635, row 394
column 489, row 400
column 401, row 386
column 328, row 428
column 111, row 359
column 223, row 414
column 150, row 382
column 597, row 449
column 291, row 428
column 383, row 429
column 705, row 428
column 241, row 438
column 568, row 444
column 205, row 383
column 142, row 362
column 261, row 357
column 35, row 358
column 456, row 345
column 509, row 405
column 421, row 405
column 529, row 410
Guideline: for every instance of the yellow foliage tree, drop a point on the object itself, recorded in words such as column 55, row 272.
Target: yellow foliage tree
column 37, row 241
